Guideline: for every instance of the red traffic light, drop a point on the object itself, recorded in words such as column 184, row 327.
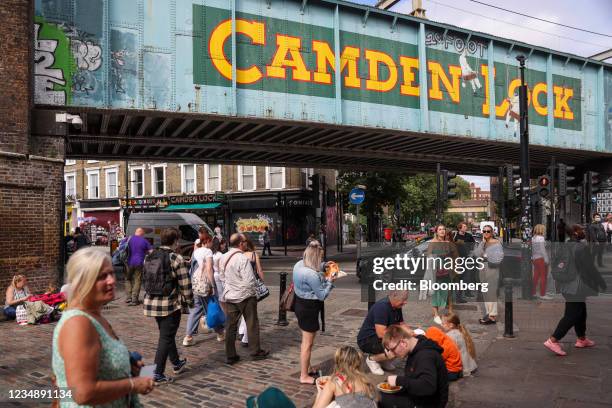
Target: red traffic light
column 544, row 181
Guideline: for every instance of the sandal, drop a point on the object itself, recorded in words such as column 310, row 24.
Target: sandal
column 313, row 382
column 487, row 321
column 314, row 374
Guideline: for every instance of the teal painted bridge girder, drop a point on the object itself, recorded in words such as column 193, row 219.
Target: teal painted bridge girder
column 321, row 61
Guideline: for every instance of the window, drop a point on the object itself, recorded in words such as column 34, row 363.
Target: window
column 212, row 177
column 111, row 183
column 188, row 177
column 158, row 179
column 70, row 162
column 275, row 177
column 93, row 184
column 138, row 182
column 70, row 180
column 246, row 178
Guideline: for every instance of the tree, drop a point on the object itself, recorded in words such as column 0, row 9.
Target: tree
column 451, row 220
column 463, row 189
column 382, row 189
column 420, row 202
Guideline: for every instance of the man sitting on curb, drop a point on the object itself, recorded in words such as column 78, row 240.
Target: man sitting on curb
column 424, row 382
column 382, row 315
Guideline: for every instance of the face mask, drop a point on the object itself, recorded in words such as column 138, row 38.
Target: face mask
column 597, row 219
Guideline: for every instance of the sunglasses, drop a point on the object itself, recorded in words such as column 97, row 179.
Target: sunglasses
column 487, row 231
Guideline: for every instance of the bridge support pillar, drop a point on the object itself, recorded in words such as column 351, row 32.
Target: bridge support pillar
column 31, row 168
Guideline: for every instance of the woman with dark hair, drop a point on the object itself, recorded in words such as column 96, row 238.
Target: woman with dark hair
column 587, row 281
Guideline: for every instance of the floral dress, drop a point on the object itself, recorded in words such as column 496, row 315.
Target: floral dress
column 113, row 364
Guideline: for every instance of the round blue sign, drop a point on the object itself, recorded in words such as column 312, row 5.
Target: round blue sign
column 356, row 196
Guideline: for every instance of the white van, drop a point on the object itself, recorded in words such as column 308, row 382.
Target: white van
column 153, row 223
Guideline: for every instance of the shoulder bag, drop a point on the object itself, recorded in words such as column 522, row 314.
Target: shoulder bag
column 261, row 290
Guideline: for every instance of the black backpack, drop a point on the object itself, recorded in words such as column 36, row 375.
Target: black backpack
column 157, row 273
column 563, row 268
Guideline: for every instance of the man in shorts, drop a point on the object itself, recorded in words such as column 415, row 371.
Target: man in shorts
column 383, row 314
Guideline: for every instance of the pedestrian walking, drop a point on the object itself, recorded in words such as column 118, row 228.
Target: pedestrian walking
column 493, row 253
column 348, row 387
column 255, row 262
column 439, row 250
column 383, row 314
column 608, row 228
column 167, row 294
column 138, row 248
column 202, row 272
column 266, row 242
column 561, row 227
column 218, row 233
column 239, row 281
column 217, row 255
column 16, row 295
column 88, row 358
column 464, row 242
column 462, row 338
column 540, row 261
column 311, row 289
column 80, row 240
column 581, row 279
column 597, row 237
column 424, row 381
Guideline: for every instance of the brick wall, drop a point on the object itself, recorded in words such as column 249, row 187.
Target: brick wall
column 30, row 188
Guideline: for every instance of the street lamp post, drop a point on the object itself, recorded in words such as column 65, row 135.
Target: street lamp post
column 526, row 221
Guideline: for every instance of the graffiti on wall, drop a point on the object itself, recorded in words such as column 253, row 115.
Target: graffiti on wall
column 457, row 43
column 50, row 84
column 87, row 54
column 124, row 67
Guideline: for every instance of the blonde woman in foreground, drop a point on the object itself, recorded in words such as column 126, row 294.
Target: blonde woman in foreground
column 88, row 357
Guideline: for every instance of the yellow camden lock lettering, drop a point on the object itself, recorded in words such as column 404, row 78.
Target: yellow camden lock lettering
column 443, row 79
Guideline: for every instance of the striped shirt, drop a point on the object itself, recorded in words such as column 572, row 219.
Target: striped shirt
column 181, row 296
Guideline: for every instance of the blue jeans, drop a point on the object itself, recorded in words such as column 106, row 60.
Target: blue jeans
column 195, row 313
column 10, row 312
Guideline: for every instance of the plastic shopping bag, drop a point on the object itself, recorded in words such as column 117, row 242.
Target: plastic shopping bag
column 214, row 315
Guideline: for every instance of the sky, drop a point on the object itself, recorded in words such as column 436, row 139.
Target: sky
column 592, row 15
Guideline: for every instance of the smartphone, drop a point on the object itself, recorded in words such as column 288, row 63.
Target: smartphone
column 148, row 370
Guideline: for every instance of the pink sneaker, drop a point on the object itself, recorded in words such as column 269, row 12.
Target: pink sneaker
column 554, row 347
column 584, row 343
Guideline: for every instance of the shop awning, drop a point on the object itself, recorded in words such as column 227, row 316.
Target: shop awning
column 206, row 206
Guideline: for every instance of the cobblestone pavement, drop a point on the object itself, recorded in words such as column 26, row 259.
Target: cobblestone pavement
column 26, row 353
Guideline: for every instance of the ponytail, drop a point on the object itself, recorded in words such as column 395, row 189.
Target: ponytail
column 453, row 319
column 469, row 343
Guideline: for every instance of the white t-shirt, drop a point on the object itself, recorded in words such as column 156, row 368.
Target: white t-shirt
column 201, row 255
column 216, row 258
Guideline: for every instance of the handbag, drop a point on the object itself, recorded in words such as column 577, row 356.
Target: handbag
column 287, row 302
column 200, row 283
column 21, row 315
column 261, row 290
column 214, row 315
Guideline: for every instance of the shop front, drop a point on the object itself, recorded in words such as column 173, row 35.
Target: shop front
column 251, row 213
column 98, row 217
column 210, row 207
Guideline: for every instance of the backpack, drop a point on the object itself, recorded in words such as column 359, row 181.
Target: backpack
column 271, row 397
column 122, row 254
column 562, row 268
column 157, row 273
column 600, row 234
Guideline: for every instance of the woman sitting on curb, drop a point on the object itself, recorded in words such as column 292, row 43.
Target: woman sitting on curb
column 16, row 294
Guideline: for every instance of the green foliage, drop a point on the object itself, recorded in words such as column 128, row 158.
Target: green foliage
column 462, row 189
column 382, row 189
column 450, row 220
column 420, row 197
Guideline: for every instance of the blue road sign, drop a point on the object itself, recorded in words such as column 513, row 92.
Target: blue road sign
column 356, row 196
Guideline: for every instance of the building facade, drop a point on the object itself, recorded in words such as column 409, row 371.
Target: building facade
column 235, row 197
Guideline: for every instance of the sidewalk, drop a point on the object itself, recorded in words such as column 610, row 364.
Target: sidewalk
column 521, row 372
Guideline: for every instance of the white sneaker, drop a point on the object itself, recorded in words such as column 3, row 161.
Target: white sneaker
column 188, row 341
column 387, row 365
column 221, row 337
column 546, row 297
column 437, row 320
column 374, row 367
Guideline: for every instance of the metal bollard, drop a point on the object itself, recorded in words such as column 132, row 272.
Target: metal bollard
column 508, row 321
column 282, row 314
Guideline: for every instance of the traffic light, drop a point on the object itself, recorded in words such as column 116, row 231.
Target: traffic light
column 565, row 179
column 593, row 180
column 577, row 194
column 448, row 184
column 544, row 185
column 513, row 176
column 314, row 183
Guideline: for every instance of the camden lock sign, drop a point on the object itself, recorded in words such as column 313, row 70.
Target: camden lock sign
column 298, row 58
column 163, row 202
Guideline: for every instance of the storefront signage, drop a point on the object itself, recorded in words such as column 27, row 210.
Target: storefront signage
column 163, row 202
column 296, row 202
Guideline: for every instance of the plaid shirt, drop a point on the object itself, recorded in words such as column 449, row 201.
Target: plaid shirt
column 180, row 298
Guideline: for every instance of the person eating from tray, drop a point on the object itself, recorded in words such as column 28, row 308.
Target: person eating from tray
column 425, row 381
column 349, row 386
column 383, row 314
